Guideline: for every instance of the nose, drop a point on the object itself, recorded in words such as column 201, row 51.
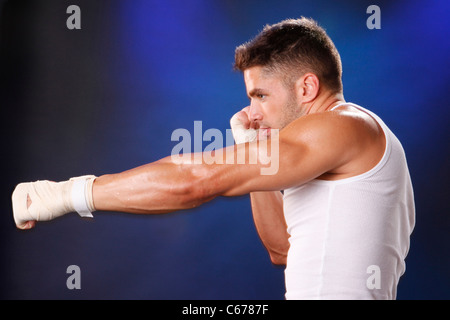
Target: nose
column 255, row 113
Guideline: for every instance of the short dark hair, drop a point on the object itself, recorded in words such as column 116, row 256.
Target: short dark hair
column 292, row 48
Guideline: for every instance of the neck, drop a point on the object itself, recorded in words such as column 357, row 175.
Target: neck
column 324, row 102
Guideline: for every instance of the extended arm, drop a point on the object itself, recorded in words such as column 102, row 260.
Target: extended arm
column 166, row 185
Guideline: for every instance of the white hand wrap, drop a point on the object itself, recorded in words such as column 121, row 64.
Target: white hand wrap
column 240, row 133
column 50, row 200
column 81, row 195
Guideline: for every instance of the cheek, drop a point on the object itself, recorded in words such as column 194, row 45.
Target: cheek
column 273, row 116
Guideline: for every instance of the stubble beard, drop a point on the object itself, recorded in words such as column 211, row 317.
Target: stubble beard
column 291, row 111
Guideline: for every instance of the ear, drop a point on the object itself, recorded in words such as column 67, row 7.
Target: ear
column 307, row 87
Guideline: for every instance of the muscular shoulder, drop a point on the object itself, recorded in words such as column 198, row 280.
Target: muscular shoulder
column 346, row 139
column 346, row 124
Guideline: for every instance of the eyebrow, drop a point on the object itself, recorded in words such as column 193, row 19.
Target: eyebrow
column 256, row 92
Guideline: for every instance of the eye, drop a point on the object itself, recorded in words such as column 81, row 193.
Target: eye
column 261, row 96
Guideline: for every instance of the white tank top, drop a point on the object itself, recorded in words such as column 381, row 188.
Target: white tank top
column 349, row 237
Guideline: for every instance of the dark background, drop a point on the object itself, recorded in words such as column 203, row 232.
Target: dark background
column 107, row 98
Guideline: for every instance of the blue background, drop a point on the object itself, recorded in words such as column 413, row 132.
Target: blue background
column 107, row 98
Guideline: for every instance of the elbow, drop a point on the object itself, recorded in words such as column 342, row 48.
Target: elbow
column 278, row 255
column 198, row 189
column 195, row 196
column 278, row 259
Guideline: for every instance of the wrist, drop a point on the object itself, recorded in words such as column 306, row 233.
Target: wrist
column 81, row 195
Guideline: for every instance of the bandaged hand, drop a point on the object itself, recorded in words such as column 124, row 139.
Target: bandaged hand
column 241, row 127
column 47, row 200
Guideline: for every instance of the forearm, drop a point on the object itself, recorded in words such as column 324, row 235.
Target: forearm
column 267, row 207
column 158, row 187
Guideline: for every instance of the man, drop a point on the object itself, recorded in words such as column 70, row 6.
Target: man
column 339, row 210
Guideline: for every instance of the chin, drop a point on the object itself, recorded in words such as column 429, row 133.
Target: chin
column 264, row 133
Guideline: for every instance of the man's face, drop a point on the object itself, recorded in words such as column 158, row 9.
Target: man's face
column 272, row 105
